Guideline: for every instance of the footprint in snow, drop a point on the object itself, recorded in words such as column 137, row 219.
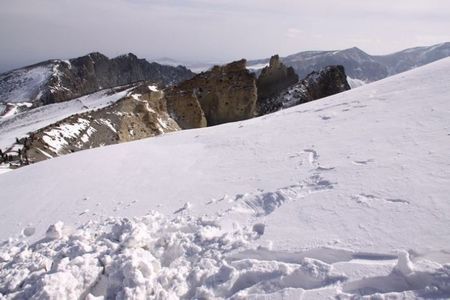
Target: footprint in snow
column 362, row 162
column 186, row 206
column 28, row 231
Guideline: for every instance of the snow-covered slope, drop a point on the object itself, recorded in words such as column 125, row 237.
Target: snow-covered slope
column 346, row 196
column 18, row 126
column 25, row 85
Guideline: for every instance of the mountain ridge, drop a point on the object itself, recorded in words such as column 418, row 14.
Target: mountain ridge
column 58, row 80
column 360, row 65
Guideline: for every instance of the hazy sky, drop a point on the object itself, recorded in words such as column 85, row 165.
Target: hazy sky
column 213, row 30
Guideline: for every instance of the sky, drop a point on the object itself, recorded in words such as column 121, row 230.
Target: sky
column 213, row 30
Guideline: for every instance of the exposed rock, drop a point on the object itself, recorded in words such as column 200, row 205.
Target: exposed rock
column 329, row 81
column 275, row 78
column 95, row 71
column 141, row 114
column 223, row 94
column 184, row 107
column 61, row 80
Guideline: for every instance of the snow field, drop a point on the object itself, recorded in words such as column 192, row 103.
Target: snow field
column 345, row 197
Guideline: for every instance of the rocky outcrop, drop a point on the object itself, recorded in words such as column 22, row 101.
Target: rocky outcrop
column 87, row 74
column 184, row 107
column 328, row 81
column 223, row 94
column 275, row 78
column 61, row 80
column 141, row 114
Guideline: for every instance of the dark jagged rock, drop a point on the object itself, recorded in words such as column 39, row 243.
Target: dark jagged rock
column 223, row 94
column 61, row 80
column 275, row 78
column 329, row 81
column 95, row 71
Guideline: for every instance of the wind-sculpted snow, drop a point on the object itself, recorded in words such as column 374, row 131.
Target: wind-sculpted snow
column 155, row 257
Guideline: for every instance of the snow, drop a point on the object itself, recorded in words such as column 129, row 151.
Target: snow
column 14, row 109
column 27, row 83
column 136, row 97
column 153, row 88
column 256, row 67
column 354, row 83
column 58, row 137
column 4, row 168
column 107, row 123
column 342, row 197
column 88, row 132
column 21, row 124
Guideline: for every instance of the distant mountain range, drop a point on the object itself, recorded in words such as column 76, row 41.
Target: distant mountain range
column 358, row 64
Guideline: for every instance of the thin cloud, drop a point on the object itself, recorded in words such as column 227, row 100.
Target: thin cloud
column 219, row 30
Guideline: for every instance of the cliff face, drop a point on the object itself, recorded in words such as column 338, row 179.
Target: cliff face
column 61, row 80
column 223, row 94
column 275, row 78
column 95, row 71
column 329, row 81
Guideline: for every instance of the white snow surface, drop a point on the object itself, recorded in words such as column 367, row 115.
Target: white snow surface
column 56, row 138
column 21, row 124
column 257, row 67
column 354, row 83
column 347, row 196
column 27, row 83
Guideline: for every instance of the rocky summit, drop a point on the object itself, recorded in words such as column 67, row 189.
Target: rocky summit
column 224, row 94
column 274, row 78
column 328, row 81
column 95, row 71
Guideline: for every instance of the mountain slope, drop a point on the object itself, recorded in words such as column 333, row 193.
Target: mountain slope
column 18, row 126
column 360, row 65
column 61, row 80
column 346, row 196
